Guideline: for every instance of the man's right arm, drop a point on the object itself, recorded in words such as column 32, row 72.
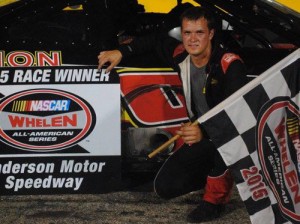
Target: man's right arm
column 112, row 57
column 162, row 45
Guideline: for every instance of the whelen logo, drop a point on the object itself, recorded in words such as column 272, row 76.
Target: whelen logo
column 278, row 144
column 45, row 120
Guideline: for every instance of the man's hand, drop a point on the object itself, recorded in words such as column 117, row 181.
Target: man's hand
column 112, row 57
column 190, row 133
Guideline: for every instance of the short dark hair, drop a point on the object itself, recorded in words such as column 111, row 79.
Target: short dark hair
column 197, row 12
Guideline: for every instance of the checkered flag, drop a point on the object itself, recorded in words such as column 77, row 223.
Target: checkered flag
column 256, row 130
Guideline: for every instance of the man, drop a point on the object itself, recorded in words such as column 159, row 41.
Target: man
column 209, row 75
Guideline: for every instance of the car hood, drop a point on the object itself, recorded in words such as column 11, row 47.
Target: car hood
column 282, row 19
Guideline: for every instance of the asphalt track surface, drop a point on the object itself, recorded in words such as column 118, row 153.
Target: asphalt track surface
column 136, row 204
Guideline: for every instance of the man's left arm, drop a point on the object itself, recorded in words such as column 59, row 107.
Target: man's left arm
column 235, row 73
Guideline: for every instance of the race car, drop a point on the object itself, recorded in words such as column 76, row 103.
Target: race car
column 39, row 37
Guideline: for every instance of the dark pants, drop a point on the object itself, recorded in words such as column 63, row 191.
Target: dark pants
column 186, row 170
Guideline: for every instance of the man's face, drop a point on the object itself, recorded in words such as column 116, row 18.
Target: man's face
column 196, row 36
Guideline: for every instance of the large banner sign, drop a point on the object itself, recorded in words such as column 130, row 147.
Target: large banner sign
column 260, row 142
column 59, row 130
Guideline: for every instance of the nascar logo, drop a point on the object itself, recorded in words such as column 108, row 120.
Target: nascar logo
column 41, row 105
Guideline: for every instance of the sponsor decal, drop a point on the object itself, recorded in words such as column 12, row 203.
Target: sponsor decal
column 153, row 98
column 43, row 175
column 278, row 145
column 45, row 120
column 54, row 75
column 25, row 58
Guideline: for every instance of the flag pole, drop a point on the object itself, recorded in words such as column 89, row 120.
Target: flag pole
column 167, row 143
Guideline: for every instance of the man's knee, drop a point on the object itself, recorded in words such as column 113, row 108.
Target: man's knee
column 161, row 188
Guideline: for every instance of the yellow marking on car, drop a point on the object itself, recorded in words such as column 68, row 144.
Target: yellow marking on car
column 162, row 6
column 292, row 4
column 73, row 8
column 125, row 117
column 7, row 2
column 144, row 70
column 223, row 10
